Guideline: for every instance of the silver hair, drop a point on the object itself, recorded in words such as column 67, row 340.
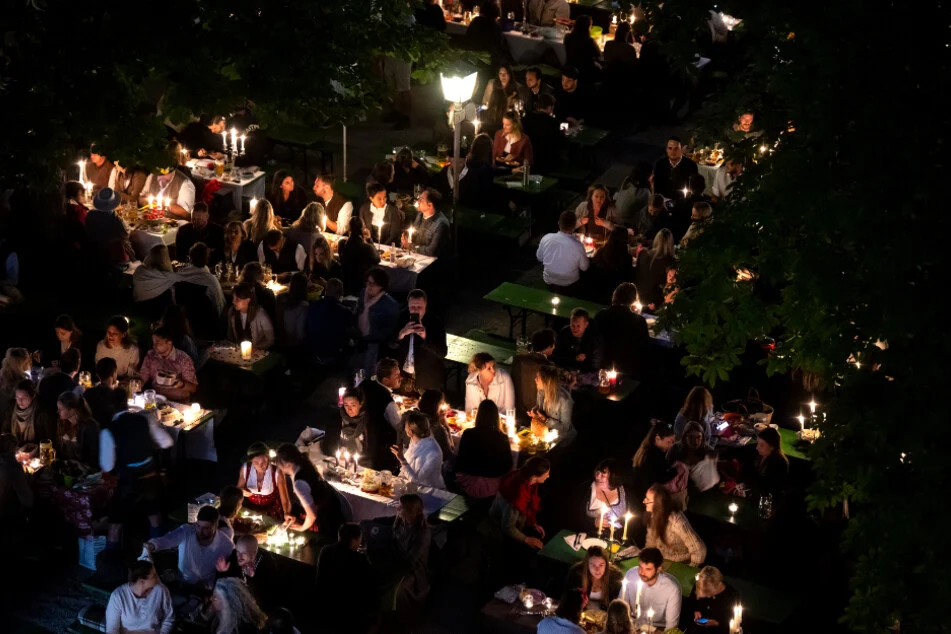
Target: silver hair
column 237, row 606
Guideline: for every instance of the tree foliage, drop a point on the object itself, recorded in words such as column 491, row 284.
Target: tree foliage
column 843, row 221
column 111, row 73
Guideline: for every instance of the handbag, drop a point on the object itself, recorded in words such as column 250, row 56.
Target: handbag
column 704, row 474
column 752, row 407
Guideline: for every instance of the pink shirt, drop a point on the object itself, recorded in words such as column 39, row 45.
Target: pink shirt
column 177, row 363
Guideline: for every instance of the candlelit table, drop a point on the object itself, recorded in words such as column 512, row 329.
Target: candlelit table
column 194, row 435
column 524, row 49
column 144, row 239
column 402, row 278
column 519, row 300
column 715, row 504
column 368, row 506
column 248, row 183
column 260, row 363
column 709, row 172
column 586, row 136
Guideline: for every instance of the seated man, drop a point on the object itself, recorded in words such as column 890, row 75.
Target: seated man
column 430, row 227
column 200, row 546
column 578, row 346
column 105, row 230
column 571, row 102
column 525, row 367
column 422, row 343
column 200, row 230
column 652, row 219
column 340, row 568
column 283, row 254
column 102, row 399
column 339, row 210
column 657, row 590
column 536, row 87
column 170, row 371
column 563, row 256
column 545, row 12
column 328, row 326
column 142, row 605
column 256, row 567
column 624, row 334
column 672, row 172
column 203, row 137
column 542, row 128
column 98, row 170
column 174, row 184
column 196, row 272
column 731, row 169
column 58, row 381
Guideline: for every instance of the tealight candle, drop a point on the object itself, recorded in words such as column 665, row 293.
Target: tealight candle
column 733, row 508
column 272, row 454
column 612, row 377
column 246, row 350
column 196, row 409
column 340, row 392
column 555, row 301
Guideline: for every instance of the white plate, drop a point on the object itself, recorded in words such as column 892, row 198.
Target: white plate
column 593, row 541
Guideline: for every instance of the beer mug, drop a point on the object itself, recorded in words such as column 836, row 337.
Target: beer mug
column 149, row 397
column 47, row 453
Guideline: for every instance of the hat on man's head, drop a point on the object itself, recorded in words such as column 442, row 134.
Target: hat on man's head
column 106, row 200
column 570, row 72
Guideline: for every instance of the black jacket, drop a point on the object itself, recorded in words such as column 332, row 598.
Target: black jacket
column 484, row 452
column 212, row 235
column 289, row 209
column 670, row 181
column 624, row 340
column 380, row 435
column 651, row 277
column 568, row 347
column 428, row 354
column 654, row 470
column 547, row 141
column 392, row 224
column 357, row 257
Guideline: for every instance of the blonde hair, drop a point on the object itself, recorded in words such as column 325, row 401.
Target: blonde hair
column 663, row 245
column 709, row 579
column 479, row 361
column 158, row 259
column 698, row 404
column 516, row 120
column 237, row 606
column 16, row 363
column 551, row 379
column 618, row 619
column 309, row 218
column 261, row 221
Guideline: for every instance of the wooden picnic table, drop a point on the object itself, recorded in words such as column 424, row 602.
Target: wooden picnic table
column 513, row 183
column 715, row 505
column 588, row 136
column 261, row 361
column 461, row 350
column 519, row 300
column 759, row 603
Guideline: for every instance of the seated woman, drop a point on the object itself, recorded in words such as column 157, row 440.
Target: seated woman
column 377, row 317
column 353, row 420
column 77, row 434
column 613, row 263
column 261, row 221
column 323, row 264
column 66, row 335
column 511, row 146
column 618, row 620
column 383, row 219
column 650, row 462
column 652, row 267
column 142, row 605
column 598, row 578
column 26, row 420
column 487, row 382
column 253, row 274
column 772, row 466
column 170, row 371
column 607, row 492
column 517, row 503
column 120, row 345
column 306, row 229
column 235, row 610
column 155, row 277
column 238, row 250
column 476, row 178
column 408, row 173
column 597, row 215
column 74, row 229
column 567, row 618
column 433, row 405
column 17, row 366
column 411, row 539
column 669, row 531
column 247, row 321
column 711, row 599
column 505, row 82
column 264, row 488
column 635, row 192
column 286, row 198
column 698, row 406
column 357, row 257
column 422, row 461
column 484, row 454
column 581, row 51
column 231, row 499
column 697, row 455
column 554, row 405
column 324, row 510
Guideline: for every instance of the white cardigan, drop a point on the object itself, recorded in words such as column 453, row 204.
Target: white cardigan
column 424, row 463
column 501, row 391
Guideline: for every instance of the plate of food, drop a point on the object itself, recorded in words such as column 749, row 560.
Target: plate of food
column 168, row 415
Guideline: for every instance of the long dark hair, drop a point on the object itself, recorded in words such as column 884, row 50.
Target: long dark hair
column 663, row 508
column 623, row 33
column 582, row 29
column 658, row 430
column 289, row 454
column 480, row 152
column 429, row 404
column 614, row 254
column 487, row 416
column 275, row 195
column 592, row 552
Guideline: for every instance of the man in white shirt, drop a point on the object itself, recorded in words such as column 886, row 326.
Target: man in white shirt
column 143, row 605
column 200, row 546
column 649, row 589
column 563, row 256
column 723, row 181
column 544, row 12
column 339, row 210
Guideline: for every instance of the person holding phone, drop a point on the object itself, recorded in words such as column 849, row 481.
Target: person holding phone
column 422, row 343
column 711, row 603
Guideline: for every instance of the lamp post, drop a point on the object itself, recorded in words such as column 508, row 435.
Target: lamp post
column 458, row 90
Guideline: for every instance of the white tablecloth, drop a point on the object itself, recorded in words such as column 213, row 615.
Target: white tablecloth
column 251, row 187
column 709, row 172
column 401, row 280
column 143, row 241
column 524, row 49
column 199, row 441
column 367, row 506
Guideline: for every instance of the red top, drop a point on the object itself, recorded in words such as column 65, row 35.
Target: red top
column 521, row 150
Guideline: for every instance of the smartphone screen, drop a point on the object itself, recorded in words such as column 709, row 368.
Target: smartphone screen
column 702, row 621
column 414, row 317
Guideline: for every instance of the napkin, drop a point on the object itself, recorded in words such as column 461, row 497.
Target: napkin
column 573, row 538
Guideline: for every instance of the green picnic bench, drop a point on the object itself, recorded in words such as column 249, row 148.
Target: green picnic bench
column 515, row 228
column 513, row 184
column 519, row 300
column 460, row 351
column 759, row 603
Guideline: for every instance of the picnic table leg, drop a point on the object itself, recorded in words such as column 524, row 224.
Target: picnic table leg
column 512, row 319
column 523, row 315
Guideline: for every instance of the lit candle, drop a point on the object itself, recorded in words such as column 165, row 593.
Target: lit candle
column 802, row 422
column 196, row 409
column 272, row 454
column 337, row 455
column 762, row 149
column 253, row 204
column 555, row 301
column 151, row 202
column 234, row 139
column 89, row 190
column 604, row 509
column 224, row 140
column 650, row 619
column 612, row 377
column 323, row 222
column 637, row 599
column 346, row 459
column 476, row 125
column 733, row 508
column 184, row 155
column 685, row 191
column 340, row 393
column 82, row 172
column 623, row 595
column 627, row 518
column 812, row 406
column 732, row 626
column 633, row 17
column 243, row 137
column 738, row 616
column 611, row 533
column 379, row 231
column 168, row 202
column 409, row 233
column 637, row 307
column 245, row 350
column 613, row 19
column 356, row 461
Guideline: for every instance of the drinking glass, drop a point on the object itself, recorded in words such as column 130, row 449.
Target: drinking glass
column 442, row 152
column 417, row 190
column 149, row 397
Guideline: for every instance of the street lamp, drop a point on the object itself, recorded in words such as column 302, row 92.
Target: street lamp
column 458, row 90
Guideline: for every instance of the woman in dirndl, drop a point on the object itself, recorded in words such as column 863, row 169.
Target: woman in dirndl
column 264, row 486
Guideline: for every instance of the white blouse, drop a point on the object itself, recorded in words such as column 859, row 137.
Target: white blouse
column 501, row 391
column 251, row 480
